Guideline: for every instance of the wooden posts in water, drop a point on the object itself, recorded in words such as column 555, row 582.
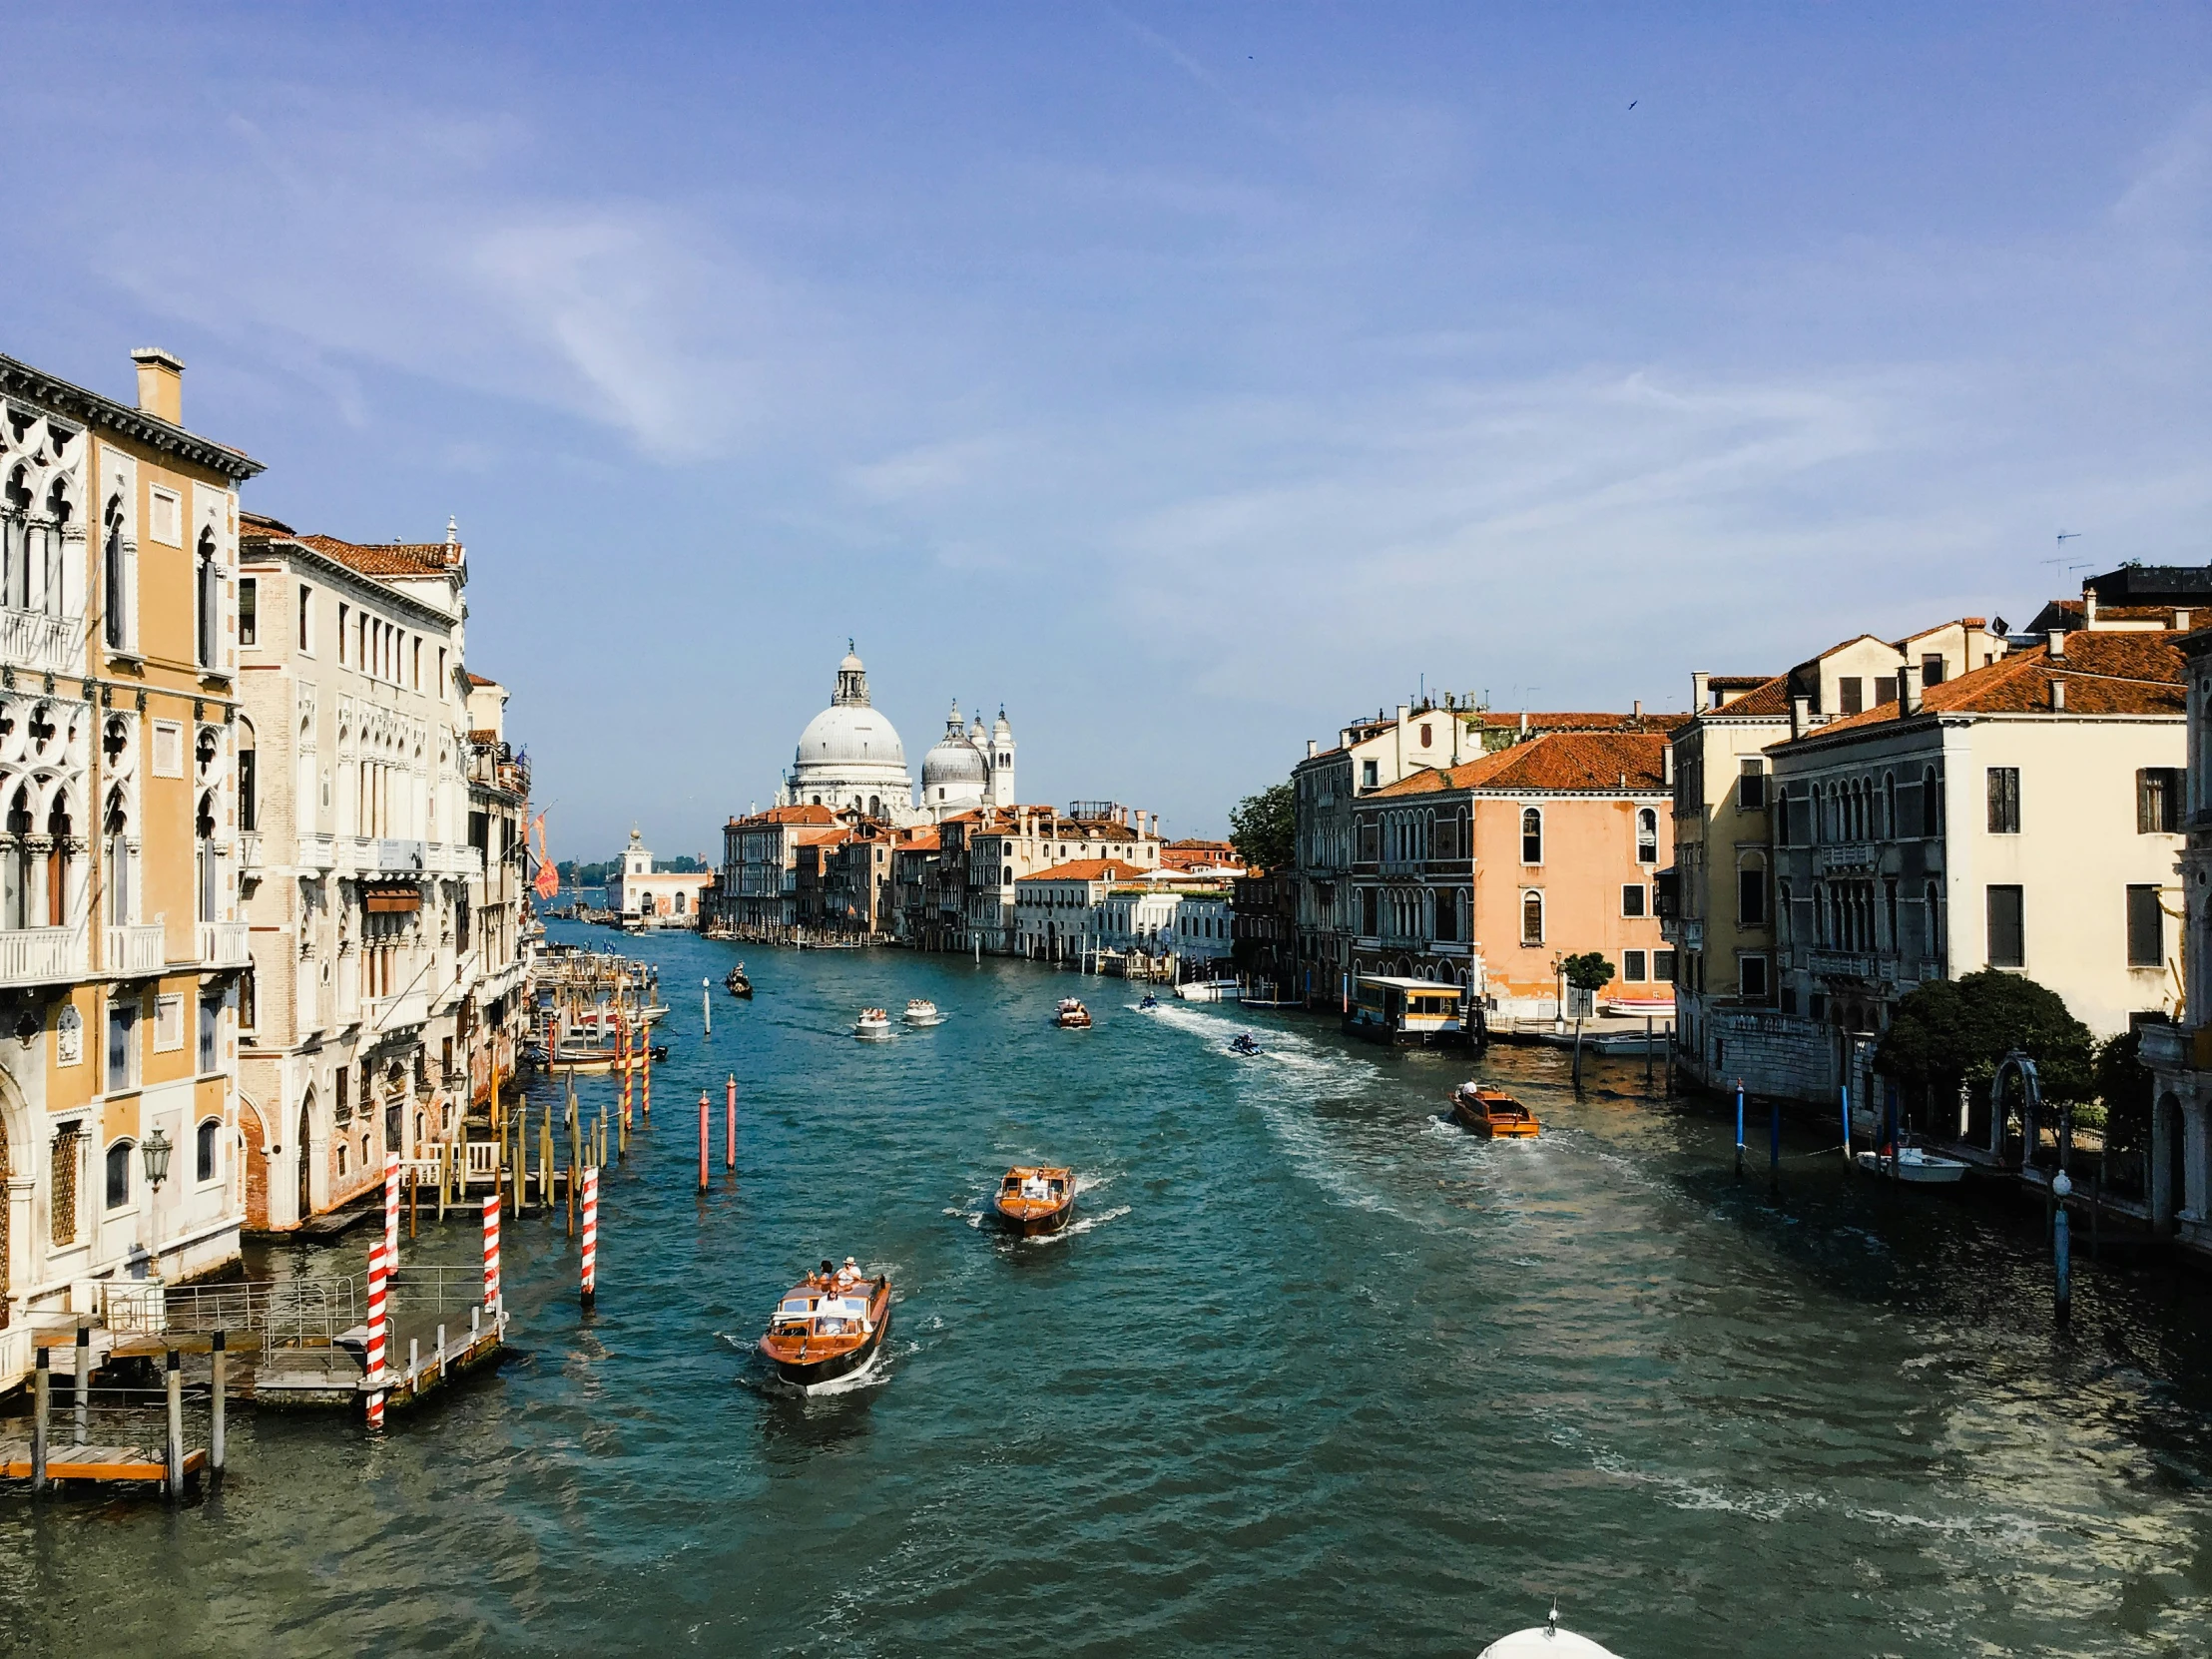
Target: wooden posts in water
column 622, row 1058
column 2062, row 1246
column 445, row 1175
column 1846, row 1122
column 378, row 1268
column 1647, row 1053
column 729, row 1127
column 545, row 1161
column 219, row 1364
column 41, row 1409
column 391, row 1206
column 83, row 1381
column 575, row 1157
column 414, row 1188
column 491, row 1261
column 589, row 1256
column 176, row 1447
column 707, row 1004
column 645, row 1037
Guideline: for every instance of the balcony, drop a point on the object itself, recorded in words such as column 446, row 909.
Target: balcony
column 137, row 948
column 222, row 944
column 249, row 853
column 1842, row 855
column 383, row 1015
column 318, row 851
column 41, row 956
column 41, row 643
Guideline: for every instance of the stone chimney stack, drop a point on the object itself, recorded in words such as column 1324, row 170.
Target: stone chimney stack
column 1312, row 748
column 161, row 384
column 1666, row 765
column 2088, row 606
column 1801, row 716
column 2057, row 644
column 2057, row 696
column 1640, row 708
column 1909, row 690
column 1697, row 693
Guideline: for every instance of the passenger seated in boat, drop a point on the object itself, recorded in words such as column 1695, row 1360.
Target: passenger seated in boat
column 849, row 1274
column 828, row 1272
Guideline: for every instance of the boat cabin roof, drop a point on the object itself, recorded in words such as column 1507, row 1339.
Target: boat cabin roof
column 1393, row 982
column 1024, row 1172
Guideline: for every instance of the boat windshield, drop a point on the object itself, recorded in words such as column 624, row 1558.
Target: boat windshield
column 794, row 1305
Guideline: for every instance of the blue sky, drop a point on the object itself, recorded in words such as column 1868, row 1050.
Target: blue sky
column 1188, row 378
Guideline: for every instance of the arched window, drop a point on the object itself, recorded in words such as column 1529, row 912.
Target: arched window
column 119, row 1175
column 250, row 810
column 208, row 602
column 203, row 1149
column 115, row 825
column 114, row 579
column 58, row 833
column 15, row 864
column 1782, row 913
column 1532, row 918
column 1532, row 836
column 1889, row 806
column 208, row 866
column 1647, row 836
column 1933, row 901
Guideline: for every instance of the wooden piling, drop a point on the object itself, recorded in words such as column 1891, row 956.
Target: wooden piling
column 176, row 1428
column 445, row 1176
column 701, row 1139
column 729, row 1127
column 492, row 1293
column 545, row 1161
column 588, row 1255
column 219, row 1365
column 646, row 1036
column 84, row 1379
column 414, row 1184
column 41, row 1409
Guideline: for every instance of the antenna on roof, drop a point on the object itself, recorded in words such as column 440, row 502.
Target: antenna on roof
column 2065, row 536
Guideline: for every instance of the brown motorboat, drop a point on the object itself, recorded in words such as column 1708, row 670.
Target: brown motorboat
column 829, row 1325
column 1034, row 1200
column 1493, row 1113
column 1072, row 1015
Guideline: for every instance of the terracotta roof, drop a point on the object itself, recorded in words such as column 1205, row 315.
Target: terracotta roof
column 2163, row 615
column 1598, row 720
column 1772, row 696
column 823, row 837
column 1086, row 870
column 1736, row 682
column 261, row 524
column 1594, row 763
column 920, row 838
column 790, row 815
column 2104, row 674
column 476, row 679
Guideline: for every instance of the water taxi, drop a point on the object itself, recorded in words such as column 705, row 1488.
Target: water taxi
column 1915, row 1167
column 1035, row 1199
column 1420, row 1014
column 922, row 1011
column 735, row 982
column 873, row 1024
column 827, row 1326
column 1494, row 1113
column 1072, row 1015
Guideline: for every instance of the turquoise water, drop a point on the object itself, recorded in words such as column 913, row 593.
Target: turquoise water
column 1316, row 1372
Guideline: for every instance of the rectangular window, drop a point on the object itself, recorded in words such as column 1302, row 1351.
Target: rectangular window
column 167, row 520
column 440, row 687
column 169, row 1023
column 1662, row 966
column 1885, row 689
column 1632, row 967
column 211, row 1025
column 2146, row 928
column 1750, row 978
column 1850, row 694
column 1370, row 774
column 1932, row 669
column 248, row 1010
column 1782, row 819
column 1368, row 913
column 249, row 601
column 1789, row 999
column 1633, row 899
column 307, row 619
column 345, row 611
column 417, row 682
column 1751, row 898
column 249, row 807
column 1448, row 914
column 1751, row 786
column 168, row 749
column 1816, row 1006
column 2007, row 928
column 2159, row 801
column 2004, row 801
column 67, row 1142
column 122, row 1044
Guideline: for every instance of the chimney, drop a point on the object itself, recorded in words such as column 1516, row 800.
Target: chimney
column 1909, row 690
column 2181, row 622
column 1801, row 715
column 1525, row 723
column 1697, row 693
column 2057, row 694
column 1666, row 765
column 2088, row 606
column 1311, row 749
column 2057, row 643
column 1640, row 708
column 161, row 379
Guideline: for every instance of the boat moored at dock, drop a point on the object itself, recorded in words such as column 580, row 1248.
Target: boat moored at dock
column 1072, row 1015
column 827, row 1327
column 1035, row 1199
column 1425, row 1013
column 1915, row 1167
column 874, row 1025
column 1493, row 1113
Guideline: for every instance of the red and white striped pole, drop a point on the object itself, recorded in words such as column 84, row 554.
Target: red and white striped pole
column 590, row 1256
column 392, row 1209
column 491, row 1257
column 622, row 1057
column 701, row 1139
column 729, row 1127
column 378, row 1266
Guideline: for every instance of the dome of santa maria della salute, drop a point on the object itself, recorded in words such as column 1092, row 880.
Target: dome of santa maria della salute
column 849, row 759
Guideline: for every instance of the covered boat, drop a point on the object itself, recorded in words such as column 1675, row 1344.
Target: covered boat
column 1072, row 1015
column 1036, row 1199
column 827, row 1326
column 1494, row 1113
column 873, row 1025
column 922, row 1011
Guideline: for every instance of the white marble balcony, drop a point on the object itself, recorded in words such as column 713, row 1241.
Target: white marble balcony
column 137, row 948
column 222, row 944
column 42, row 956
column 40, row 642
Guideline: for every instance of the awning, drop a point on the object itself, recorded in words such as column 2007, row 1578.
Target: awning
column 383, row 900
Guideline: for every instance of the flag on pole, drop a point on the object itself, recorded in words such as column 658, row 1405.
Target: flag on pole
column 549, row 879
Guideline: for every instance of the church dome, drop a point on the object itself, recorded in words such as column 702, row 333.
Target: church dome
column 850, row 734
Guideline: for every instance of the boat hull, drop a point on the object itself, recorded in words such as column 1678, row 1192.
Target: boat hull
column 1475, row 1119
column 810, row 1374
column 1941, row 1172
column 1035, row 1225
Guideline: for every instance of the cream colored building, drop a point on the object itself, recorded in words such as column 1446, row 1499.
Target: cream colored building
column 658, row 899
column 121, row 950
column 495, row 1016
column 1000, row 845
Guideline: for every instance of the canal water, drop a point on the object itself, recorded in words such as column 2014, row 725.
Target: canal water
column 1316, row 1372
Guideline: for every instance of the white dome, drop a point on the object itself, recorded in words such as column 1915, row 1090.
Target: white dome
column 954, row 762
column 850, row 735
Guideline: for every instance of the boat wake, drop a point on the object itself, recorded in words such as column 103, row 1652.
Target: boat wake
column 1081, row 1223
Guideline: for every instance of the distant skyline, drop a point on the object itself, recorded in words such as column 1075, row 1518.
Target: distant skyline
column 1188, row 378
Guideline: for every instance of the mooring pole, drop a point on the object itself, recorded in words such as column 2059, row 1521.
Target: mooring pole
column 41, row 1406
column 84, row 1379
column 701, row 1139
column 1846, row 1122
column 378, row 1266
column 1739, row 1128
column 646, row 1038
column 176, row 1428
column 589, row 1256
column 491, row 1257
column 1647, row 1053
column 219, row 1365
column 707, row 1004
column 2062, row 1247
column 729, row 1127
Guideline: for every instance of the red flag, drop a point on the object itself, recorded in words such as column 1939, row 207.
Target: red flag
column 549, row 879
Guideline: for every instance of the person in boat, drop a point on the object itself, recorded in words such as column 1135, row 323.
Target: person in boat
column 828, row 1273
column 848, row 1276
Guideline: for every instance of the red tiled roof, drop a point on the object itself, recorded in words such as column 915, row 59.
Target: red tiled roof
column 2104, row 674
column 1588, row 721
column 1583, row 762
column 476, row 679
column 2160, row 614
column 1087, row 869
column 1736, row 682
column 1772, row 696
column 391, row 558
column 261, row 524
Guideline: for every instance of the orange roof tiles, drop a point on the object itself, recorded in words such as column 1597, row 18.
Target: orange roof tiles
column 2104, row 674
column 1087, row 869
column 1607, row 762
column 1772, row 696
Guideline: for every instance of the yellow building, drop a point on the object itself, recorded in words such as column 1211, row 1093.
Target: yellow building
column 120, row 948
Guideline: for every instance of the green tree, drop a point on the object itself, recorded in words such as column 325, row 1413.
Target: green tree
column 2125, row 1087
column 1589, row 971
column 1953, row 1031
column 1264, row 827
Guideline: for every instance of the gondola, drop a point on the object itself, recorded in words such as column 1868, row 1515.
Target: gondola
column 736, row 983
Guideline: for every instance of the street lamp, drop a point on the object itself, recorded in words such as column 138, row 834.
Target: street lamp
column 156, row 1148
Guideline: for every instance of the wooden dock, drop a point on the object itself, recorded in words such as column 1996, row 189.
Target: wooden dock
column 116, row 1463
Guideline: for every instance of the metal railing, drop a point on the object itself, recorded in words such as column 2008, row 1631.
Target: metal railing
column 283, row 1310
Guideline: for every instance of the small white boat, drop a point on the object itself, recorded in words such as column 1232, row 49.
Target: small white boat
column 1918, row 1167
column 1546, row 1642
column 874, row 1025
column 922, row 1011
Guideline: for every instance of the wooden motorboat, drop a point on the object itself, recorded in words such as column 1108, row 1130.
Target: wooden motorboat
column 827, row 1327
column 1915, row 1167
column 1035, row 1199
column 736, row 983
column 1072, row 1015
column 873, row 1025
column 920, row 1011
column 1494, row 1113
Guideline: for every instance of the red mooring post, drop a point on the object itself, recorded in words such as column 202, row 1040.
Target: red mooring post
column 701, row 1139
column 378, row 1266
column 491, row 1257
column 391, row 1210
column 729, row 1127
column 590, row 1254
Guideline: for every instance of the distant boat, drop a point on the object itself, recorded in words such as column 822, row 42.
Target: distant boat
column 1915, row 1167
column 920, row 1011
column 1035, row 1199
column 1072, row 1015
column 874, row 1025
column 736, row 983
column 1493, row 1113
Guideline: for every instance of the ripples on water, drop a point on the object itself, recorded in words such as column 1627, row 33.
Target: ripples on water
column 1314, row 1370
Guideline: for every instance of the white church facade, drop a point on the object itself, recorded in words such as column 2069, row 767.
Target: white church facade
column 850, row 760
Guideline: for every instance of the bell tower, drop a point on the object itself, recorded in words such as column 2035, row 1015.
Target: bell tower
column 1001, row 754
